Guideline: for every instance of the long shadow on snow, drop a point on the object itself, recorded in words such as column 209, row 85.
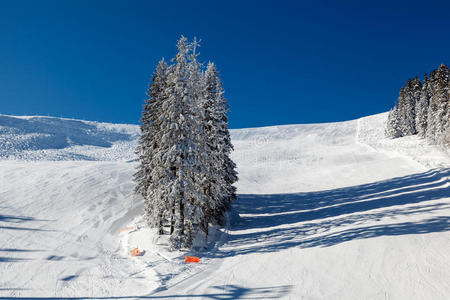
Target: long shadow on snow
column 17, row 250
column 23, row 228
column 20, row 219
column 11, row 259
column 14, row 219
column 8, row 219
column 283, row 203
column 320, row 212
column 222, row 292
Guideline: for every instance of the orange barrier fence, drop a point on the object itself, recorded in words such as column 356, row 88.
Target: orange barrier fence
column 191, row 259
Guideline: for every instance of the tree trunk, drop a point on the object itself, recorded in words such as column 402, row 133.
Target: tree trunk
column 161, row 225
column 182, row 217
column 172, row 221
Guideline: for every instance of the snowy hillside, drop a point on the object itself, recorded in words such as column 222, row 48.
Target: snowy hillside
column 325, row 211
column 48, row 138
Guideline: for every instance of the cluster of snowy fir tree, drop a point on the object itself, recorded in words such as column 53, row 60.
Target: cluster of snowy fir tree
column 185, row 173
column 422, row 109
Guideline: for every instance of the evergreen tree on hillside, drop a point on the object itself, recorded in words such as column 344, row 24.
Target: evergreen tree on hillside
column 432, row 110
column 446, row 137
column 221, row 168
column 422, row 107
column 416, row 88
column 225, row 147
column 407, row 105
column 214, row 183
column 441, row 93
column 182, row 156
column 393, row 128
column 185, row 174
column 148, row 146
column 201, row 176
column 401, row 108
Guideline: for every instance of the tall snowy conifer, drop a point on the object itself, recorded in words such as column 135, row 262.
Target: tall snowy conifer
column 446, row 141
column 146, row 178
column 181, row 157
column 195, row 82
column 401, row 108
column 185, row 173
column 393, row 128
column 432, row 110
column 407, row 105
column 422, row 107
column 441, row 93
column 216, row 108
column 214, row 185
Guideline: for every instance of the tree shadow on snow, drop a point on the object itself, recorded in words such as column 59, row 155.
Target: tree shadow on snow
column 8, row 222
column 320, row 219
column 11, row 259
column 222, row 292
column 12, row 224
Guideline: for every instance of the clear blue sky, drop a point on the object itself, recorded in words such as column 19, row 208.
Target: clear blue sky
column 282, row 62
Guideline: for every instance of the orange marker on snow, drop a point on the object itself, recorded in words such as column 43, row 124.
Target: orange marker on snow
column 126, row 229
column 191, row 259
column 136, row 252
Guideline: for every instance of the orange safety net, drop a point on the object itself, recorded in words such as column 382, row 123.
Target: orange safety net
column 191, row 259
column 135, row 252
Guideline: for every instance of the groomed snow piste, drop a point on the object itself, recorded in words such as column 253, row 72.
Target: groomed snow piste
column 325, row 211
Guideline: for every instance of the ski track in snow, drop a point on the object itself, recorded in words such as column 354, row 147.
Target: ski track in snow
column 325, row 211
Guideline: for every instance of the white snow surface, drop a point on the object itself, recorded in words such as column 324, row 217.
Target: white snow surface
column 48, row 138
column 325, row 211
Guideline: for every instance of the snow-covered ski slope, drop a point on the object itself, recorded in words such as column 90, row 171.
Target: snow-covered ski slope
column 325, row 211
column 48, row 138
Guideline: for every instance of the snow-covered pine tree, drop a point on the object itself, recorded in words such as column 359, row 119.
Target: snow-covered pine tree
column 185, row 173
column 432, row 110
column 162, row 213
column 393, row 128
column 180, row 155
column 441, row 93
column 195, row 82
column 401, row 107
column 446, row 141
column 407, row 104
column 148, row 145
column 415, row 93
column 422, row 107
column 226, row 148
column 214, row 185
column 223, row 170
